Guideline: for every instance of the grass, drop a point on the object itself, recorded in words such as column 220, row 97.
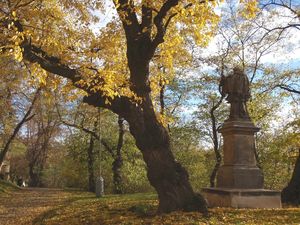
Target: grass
column 140, row 209
column 7, row 187
column 74, row 207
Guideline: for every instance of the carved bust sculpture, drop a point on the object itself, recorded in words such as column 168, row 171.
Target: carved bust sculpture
column 236, row 87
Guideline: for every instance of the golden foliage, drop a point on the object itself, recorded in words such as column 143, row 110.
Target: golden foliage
column 249, row 9
column 65, row 29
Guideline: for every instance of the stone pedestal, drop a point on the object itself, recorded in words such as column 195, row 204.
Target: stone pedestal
column 239, row 169
column 239, row 180
column 242, row 198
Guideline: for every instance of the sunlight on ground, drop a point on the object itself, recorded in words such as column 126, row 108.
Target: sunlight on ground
column 140, row 209
column 54, row 206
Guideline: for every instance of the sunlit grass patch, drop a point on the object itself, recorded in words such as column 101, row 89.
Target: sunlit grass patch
column 140, row 209
column 7, row 187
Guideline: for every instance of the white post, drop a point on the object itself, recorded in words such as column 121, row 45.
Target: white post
column 99, row 187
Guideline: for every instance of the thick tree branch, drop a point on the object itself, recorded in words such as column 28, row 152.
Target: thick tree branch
column 29, row 118
column 54, row 65
column 147, row 15
column 161, row 98
column 51, row 64
column 162, row 15
column 215, row 141
column 108, row 148
column 121, row 135
column 126, row 12
column 175, row 14
column 92, row 133
column 19, row 5
column 159, row 22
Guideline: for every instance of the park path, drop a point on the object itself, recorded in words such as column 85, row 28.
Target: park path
column 25, row 206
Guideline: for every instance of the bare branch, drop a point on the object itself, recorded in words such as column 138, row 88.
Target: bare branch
column 175, row 14
column 280, row 29
column 90, row 132
column 287, row 88
column 289, row 7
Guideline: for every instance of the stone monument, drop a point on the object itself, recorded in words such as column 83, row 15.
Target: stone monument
column 99, row 187
column 239, row 180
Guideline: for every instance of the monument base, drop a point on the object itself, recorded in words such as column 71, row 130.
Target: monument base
column 242, row 198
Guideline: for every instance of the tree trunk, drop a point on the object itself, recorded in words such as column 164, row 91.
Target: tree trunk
column 168, row 177
column 291, row 193
column 118, row 160
column 117, row 177
column 215, row 170
column 170, row 180
column 90, row 161
column 34, row 177
column 215, row 142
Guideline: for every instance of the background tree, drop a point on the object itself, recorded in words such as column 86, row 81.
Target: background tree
column 83, row 120
column 28, row 116
column 290, row 193
column 39, row 132
column 17, row 100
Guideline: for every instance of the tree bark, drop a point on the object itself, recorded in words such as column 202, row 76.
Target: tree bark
column 167, row 176
column 118, row 160
column 35, row 175
column 91, row 158
column 216, row 142
column 38, row 144
column 90, row 161
column 291, row 193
